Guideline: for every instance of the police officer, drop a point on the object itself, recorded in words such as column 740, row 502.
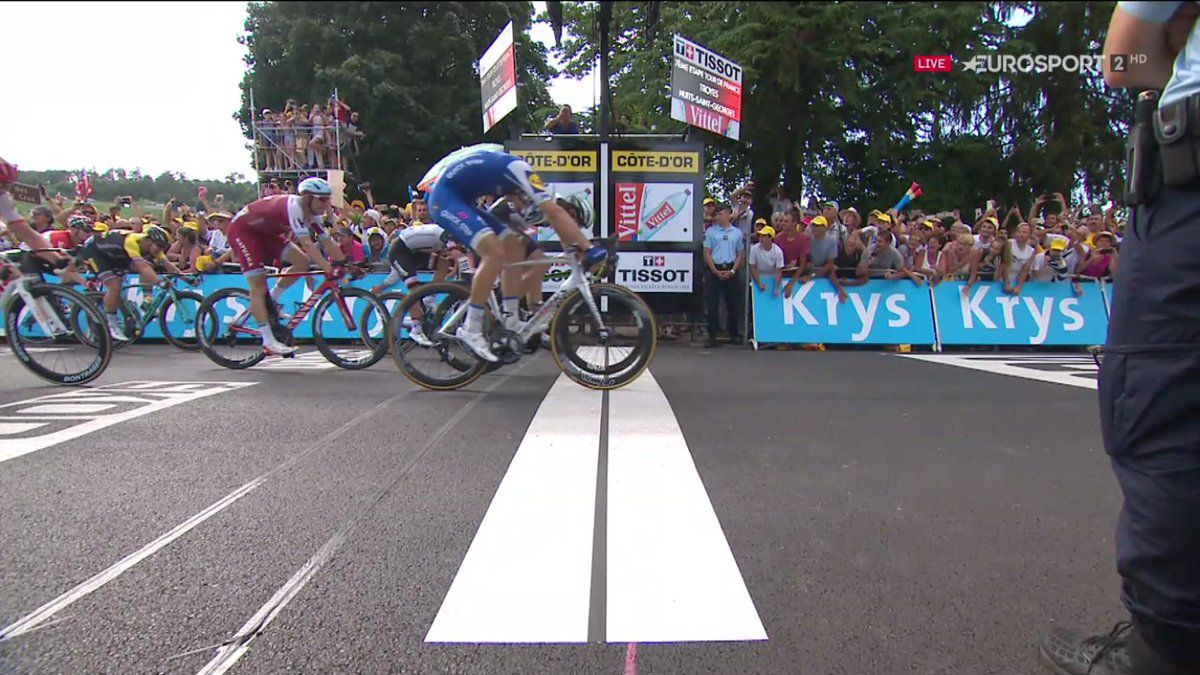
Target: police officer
column 724, row 253
column 1150, row 375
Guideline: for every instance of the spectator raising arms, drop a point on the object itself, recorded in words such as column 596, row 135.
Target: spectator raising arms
column 562, row 124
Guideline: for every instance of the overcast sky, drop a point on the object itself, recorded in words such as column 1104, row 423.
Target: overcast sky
column 141, row 85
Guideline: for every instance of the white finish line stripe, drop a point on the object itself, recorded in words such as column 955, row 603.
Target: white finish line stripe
column 527, row 574
column 671, row 574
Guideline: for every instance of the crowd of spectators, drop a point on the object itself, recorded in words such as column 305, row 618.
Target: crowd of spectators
column 1054, row 242
column 302, row 137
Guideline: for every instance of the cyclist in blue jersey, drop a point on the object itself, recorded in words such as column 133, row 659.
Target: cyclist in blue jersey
column 457, row 183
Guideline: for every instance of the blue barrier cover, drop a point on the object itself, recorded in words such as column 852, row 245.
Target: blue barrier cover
column 1044, row 314
column 878, row 312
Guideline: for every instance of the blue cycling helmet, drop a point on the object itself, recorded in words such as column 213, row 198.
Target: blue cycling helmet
column 315, row 186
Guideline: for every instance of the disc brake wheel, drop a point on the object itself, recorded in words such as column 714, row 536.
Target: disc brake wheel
column 608, row 358
column 448, row 364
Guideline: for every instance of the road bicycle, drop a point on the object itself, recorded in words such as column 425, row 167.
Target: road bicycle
column 174, row 309
column 230, row 336
column 53, row 330
column 616, row 319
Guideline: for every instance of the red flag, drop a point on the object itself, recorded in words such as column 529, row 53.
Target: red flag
column 83, row 187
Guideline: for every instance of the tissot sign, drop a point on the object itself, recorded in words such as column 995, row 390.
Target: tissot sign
column 706, row 89
column 648, row 272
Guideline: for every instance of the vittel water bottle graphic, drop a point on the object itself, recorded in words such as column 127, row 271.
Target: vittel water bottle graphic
column 653, row 219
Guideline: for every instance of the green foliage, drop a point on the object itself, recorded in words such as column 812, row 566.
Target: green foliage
column 409, row 68
column 832, row 106
column 113, row 183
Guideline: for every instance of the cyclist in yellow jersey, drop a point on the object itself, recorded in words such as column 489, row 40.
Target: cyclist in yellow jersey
column 113, row 254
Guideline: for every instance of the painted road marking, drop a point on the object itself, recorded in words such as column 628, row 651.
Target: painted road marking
column 668, row 572
column 67, row 408
column 527, row 574
column 75, row 413
column 309, row 360
column 11, row 428
column 43, row 613
column 1069, row 369
column 671, row 574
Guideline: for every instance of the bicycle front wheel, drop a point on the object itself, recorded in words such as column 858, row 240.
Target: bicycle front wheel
column 447, row 364
column 69, row 344
column 228, row 333
column 177, row 319
column 605, row 358
column 345, row 345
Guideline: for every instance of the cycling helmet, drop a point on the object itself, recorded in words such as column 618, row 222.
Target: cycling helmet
column 314, row 186
column 8, row 172
column 79, row 220
column 158, row 236
column 581, row 205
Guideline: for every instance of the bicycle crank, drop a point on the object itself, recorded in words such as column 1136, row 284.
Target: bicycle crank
column 507, row 346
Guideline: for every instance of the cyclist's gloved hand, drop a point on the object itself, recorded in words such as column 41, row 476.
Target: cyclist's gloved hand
column 595, row 255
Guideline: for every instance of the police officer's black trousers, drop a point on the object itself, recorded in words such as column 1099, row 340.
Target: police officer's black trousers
column 731, row 291
column 1150, row 420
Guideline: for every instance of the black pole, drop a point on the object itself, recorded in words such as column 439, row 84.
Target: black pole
column 605, row 94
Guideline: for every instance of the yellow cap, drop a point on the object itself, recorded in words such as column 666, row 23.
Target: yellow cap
column 1058, row 245
column 819, row 220
column 99, row 227
column 992, row 220
column 767, row 231
column 190, row 226
column 709, row 200
column 204, row 263
column 358, row 203
column 884, row 217
column 761, row 221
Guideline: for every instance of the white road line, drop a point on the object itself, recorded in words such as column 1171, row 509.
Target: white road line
column 671, row 574
column 151, row 397
column 1011, row 367
column 11, row 428
column 527, row 574
column 27, row 623
column 233, row 649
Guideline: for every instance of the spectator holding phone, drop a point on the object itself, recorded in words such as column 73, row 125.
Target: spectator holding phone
column 1101, row 262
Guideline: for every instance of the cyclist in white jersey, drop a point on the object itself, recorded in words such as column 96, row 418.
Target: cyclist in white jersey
column 416, row 249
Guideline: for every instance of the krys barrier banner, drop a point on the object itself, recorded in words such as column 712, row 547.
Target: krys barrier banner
column 334, row 326
column 878, row 312
column 1044, row 313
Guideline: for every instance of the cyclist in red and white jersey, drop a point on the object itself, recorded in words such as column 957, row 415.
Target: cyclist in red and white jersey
column 270, row 229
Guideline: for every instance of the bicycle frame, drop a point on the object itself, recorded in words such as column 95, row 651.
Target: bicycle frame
column 327, row 286
column 541, row 319
column 47, row 321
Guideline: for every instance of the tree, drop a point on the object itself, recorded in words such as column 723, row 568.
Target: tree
column 832, row 106
column 410, row 70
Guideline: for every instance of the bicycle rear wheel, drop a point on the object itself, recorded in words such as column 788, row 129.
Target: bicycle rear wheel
column 177, row 319
column 227, row 331
column 345, row 346
column 77, row 348
column 447, row 364
column 604, row 359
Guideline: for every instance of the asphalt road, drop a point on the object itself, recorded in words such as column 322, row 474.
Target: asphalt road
column 883, row 515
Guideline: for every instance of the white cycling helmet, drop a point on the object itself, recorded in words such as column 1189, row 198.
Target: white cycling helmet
column 314, row 186
column 581, row 205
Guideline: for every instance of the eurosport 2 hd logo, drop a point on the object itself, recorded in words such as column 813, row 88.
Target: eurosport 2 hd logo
column 1027, row 64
